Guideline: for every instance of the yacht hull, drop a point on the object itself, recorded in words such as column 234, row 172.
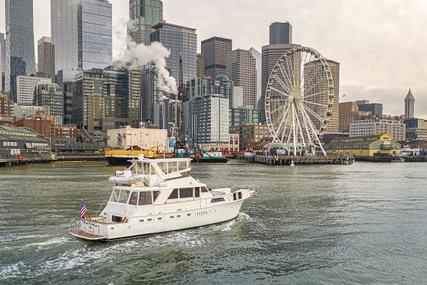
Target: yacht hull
column 154, row 224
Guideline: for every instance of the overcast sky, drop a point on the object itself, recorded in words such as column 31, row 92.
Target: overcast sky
column 381, row 44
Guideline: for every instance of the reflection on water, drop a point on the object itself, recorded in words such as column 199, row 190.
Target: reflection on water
column 358, row 224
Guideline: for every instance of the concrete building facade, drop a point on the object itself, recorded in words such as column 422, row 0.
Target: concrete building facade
column 50, row 95
column 25, row 87
column 391, row 126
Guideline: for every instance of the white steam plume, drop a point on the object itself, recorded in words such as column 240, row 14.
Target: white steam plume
column 142, row 56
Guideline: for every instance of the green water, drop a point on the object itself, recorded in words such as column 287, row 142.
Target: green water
column 361, row 224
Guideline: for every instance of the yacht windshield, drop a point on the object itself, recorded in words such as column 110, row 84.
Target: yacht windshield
column 124, row 195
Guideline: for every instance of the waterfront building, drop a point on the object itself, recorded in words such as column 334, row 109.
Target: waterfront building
column 17, row 143
column 375, row 126
column 376, row 109
column 144, row 14
column 41, row 123
column 200, row 65
column 6, row 106
column 81, row 34
column 50, row 96
column 46, row 58
column 416, row 129
column 409, row 105
column 25, row 87
column 258, row 63
column 280, row 33
column 215, row 51
column 19, row 51
column 2, row 61
column 21, row 111
column 144, row 138
column 251, row 135
column 243, row 115
column 241, row 69
column 365, row 146
column 209, row 121
column 182, row 43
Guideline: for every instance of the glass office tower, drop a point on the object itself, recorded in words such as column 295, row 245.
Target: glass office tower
column 144, row 14
column 19, row 43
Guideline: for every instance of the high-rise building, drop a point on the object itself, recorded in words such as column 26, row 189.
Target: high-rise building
column 65, row 34
column 258, row 61
column 201, row 86
column 19, row 43
column 95, row 34
column 200, row 65
column 144, row 14
column 100, row 100
column 46, row 58
column 241, row 68
column 182, row 43
column 416, row 129
column 210, row 120
column 2, row 61
column 409, row 105
column 280, row 33
column 317, row 83
column 50, row 95
column 243, row 115
column 215, row 51
column 270, row 54
column 25, row 87
column 376, row 109
column 81, row 34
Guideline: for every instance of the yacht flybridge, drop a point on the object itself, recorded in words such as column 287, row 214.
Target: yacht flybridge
column 159, row 195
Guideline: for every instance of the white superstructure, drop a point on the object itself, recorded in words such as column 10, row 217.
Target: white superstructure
column 158, row 195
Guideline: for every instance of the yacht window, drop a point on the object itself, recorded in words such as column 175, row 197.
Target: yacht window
column 239, row 194
column 197, row 192
column 204, row 189
column 145, row 198
column 174, row 194
column 186, row 193
column 124, row 195
column 133, row 198
column 155, row 195
column 115, row 196
column 215, row 200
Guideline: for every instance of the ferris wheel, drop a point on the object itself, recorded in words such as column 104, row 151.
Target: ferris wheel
column 298, row 101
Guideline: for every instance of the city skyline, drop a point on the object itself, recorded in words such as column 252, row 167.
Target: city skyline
column 374, row 67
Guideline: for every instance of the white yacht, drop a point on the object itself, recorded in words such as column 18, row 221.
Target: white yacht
column 159, row 195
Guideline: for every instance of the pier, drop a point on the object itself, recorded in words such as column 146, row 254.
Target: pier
column 298, row 160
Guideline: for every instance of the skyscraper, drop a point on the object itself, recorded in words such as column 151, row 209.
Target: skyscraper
column 258, row 61
column 46, row 58
column 280, row 42
column 82, row 34
column 241, row 68
column 215, row 51
column 182, row 43
column 95, row 26
column 144, row 14
column 280, row 33
column 65, row 35
column 2, row 60
column 200, row 65
column 50, row 96
column 409, row 105
column 19, row 42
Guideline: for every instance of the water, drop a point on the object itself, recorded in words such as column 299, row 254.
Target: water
column 360, row 224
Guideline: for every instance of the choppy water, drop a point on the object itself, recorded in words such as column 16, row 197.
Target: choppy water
column 361, row 224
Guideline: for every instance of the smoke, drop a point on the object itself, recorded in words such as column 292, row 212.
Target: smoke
column 138, row 56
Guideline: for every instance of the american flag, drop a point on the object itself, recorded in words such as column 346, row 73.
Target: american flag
column 83, row 211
